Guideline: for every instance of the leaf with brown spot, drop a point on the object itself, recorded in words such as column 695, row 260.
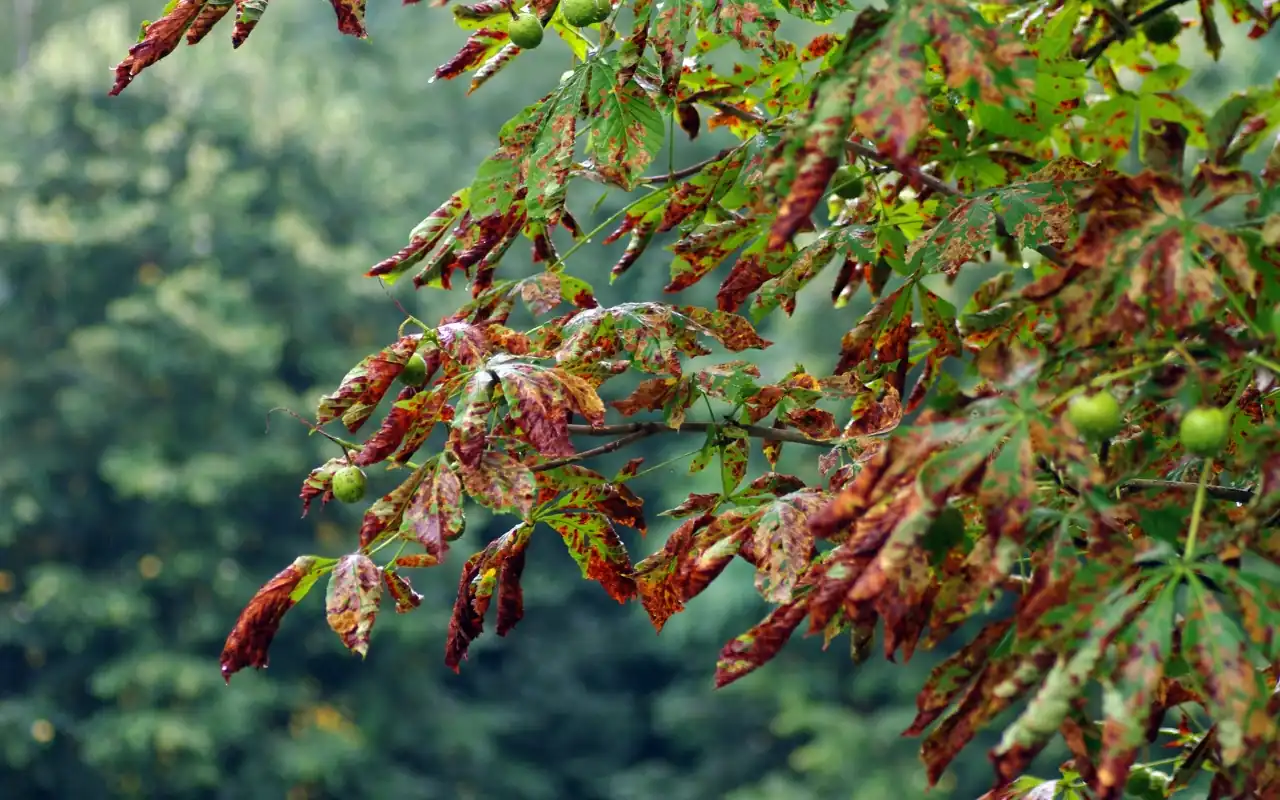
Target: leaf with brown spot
column 249, row 640
column 500, row 482
column 497, row 568
column 1235, row 693
column 657, row 577
column 387, row 512
column 319, row 483
column 781, row 545
column 401, row 591
column 469, row 433
column 673, row 23
column 1142, row 651
column 423, row 239
column 600, row 554
column 248, row 13
column 425, row 410
column 479, row 48
column 364, row 386
column 350, row 14
column 1039, row 211
column 158, row 39
column 352, row 601
column 753, row 649
column 707, row 247
column 626, row 128
column 210, row 15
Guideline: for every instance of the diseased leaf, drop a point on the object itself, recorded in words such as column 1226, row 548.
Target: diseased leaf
column 434, row 516
column 352, row 601
column 626, row 128
column 500, row 482
column 600, row 554
column 496, row 568
column 365, row 385
column 249, row 640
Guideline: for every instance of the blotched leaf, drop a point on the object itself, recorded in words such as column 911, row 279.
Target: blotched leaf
column 352, row 601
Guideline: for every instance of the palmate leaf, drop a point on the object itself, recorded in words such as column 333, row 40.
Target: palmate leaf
column 626, row 127
column 365, row 385
column 424, row 238
column 1141, row 261
column 1070, row 674
column 1038, row 210
column 551, row 150
column 1142, row 651
column 669, row 37
column 434, row 515
column 652, row 334
column 540, row 399
column 385, row 515
column 1235, row 690
column 500, row 482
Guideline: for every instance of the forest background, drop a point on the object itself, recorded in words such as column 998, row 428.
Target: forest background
column 177, row 261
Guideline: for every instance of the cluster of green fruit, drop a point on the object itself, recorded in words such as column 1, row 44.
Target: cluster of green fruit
column 349, row 483
column 525, row 29
column 1203, row 431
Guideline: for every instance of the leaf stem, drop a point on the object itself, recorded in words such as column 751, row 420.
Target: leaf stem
column 1093, row 53
column 594, row 232
column 1197, row 510
column 1265, row 363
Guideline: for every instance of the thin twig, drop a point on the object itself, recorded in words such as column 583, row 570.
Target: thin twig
column 651, row 428
column 681, row 174
column 608, row 447
column 1094, row 53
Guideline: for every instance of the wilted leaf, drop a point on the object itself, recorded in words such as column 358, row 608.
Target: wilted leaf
column 352, row 601
column 249, row 640
column 600, row 554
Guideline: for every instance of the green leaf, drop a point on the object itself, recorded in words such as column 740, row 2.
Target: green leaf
column 626, row 127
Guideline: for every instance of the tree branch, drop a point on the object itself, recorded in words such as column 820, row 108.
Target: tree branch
column 652, row 428
column 1216, row 492
column 1094, row 53
column 608, row 447
column 692, row 169
column 629, row 432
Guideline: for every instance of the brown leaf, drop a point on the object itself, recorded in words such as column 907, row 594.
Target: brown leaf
column 401, row 591
column 501, row 482
column 158, row 40
column 757, row 646
column 350, row 15
column 352, row 601
column 249, row 640
column 434, row 516
column 657, row 577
